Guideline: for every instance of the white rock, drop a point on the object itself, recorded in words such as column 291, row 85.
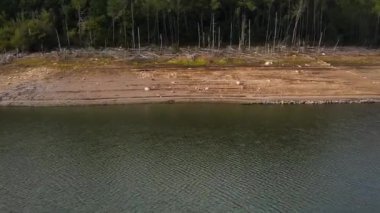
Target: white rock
column 268, row 63
column 206, row 89
column 238, row 83
column 147, row 89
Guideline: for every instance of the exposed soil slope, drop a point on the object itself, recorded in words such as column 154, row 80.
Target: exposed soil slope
column 46, row 81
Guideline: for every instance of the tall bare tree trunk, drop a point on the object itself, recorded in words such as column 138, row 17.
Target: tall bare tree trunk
column 219, row 38
column 242, row 36
column 231, row 34
column 268, row 25
column 58, row 40
column 314, row 20
column 66, row 28
column 289, row 15
column 171, row 26
column 165, row 28
column 320, row 42
column 113, row 31
column 133, row 26
column 138, row 38
column 199, row 36
column 157, row 28
column 148, row 25
column 178, row 3
column 91, row 39
column 125, row 33
column 79, row 26
column 321, row 20
column 297, row 19
column 213, row 30
column 249, row 34
column 67, row 34
column 161, row 41
column 275, row 34
column 202, row 31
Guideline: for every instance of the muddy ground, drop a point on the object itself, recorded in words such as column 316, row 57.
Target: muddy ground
column 56, row 80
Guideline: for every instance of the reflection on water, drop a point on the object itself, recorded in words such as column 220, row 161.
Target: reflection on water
column 196, row 157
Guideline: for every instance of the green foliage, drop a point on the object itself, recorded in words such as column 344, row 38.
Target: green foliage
column 115, row 8
column 248, row 4
column 33, row 25
column 27, row 34
column 6, row 33
column 215, row 4
column 78, row 4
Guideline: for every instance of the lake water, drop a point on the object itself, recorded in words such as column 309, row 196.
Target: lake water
column 190, row 158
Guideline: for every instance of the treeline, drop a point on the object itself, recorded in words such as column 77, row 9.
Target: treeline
column 38, row 25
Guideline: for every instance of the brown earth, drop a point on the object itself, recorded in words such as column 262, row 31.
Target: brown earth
column 48, row 81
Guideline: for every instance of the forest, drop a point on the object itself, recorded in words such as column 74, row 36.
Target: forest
column 40, row 25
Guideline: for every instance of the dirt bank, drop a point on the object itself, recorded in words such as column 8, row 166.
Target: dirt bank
column 49, row 80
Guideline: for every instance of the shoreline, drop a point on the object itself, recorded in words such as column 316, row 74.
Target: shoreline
column 205, row 100
column 249, row 78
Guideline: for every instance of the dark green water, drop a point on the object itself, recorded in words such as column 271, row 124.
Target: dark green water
column 190, row 158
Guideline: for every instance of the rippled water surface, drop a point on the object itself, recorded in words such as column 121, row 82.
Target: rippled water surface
column 196, row 157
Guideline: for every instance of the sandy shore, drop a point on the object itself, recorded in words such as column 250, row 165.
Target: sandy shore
column 93, row 81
